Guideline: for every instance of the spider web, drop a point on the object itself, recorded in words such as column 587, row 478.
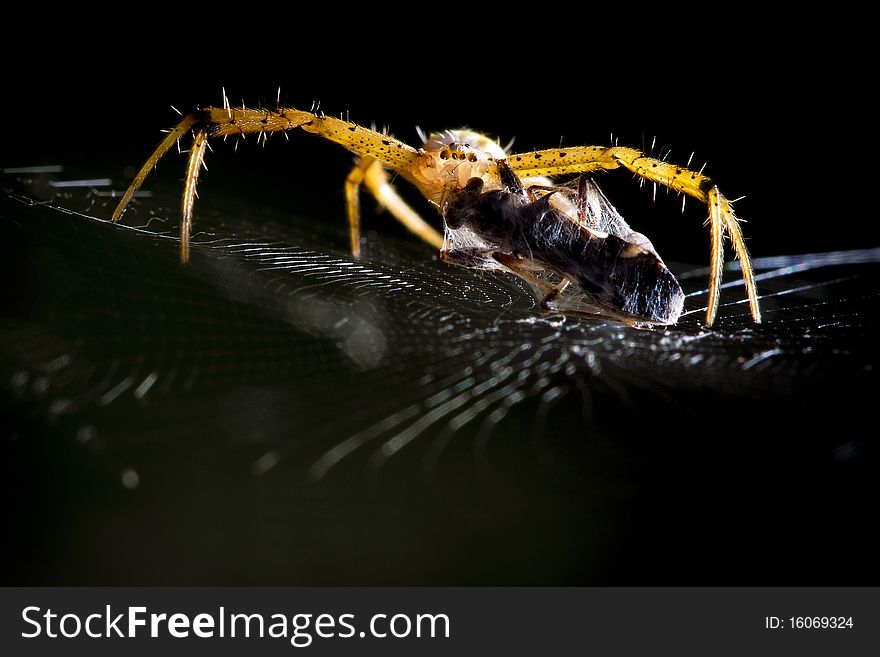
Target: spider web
column 276, row 412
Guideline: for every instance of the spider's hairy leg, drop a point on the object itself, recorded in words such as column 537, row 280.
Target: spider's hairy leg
column 209, row 123
column 559, row 161
column 194, row 166
column 213, row 122
column 353, row 203
column 716, row 254
column 369, row 172
column 171, row 138
column 232, row 121
column 721, row 217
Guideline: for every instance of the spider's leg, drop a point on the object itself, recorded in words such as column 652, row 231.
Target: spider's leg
column 381, row 188
column 171, row 138
column 353, row 203
column 582, row 159
column 369, row 172
column 213, row 122
column 194, row 166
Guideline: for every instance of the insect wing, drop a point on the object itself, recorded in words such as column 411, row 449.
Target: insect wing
column 597, row 213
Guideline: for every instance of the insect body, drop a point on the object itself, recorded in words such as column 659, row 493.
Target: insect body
column 511, row 228
column 471, row 178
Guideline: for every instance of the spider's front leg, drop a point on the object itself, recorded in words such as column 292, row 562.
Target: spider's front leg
column 581, row 159
column 369, row 172
column 213, row 122
column 205, row 124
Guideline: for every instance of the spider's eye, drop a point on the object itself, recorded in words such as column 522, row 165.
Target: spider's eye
column 444, row 155
column 472, row 157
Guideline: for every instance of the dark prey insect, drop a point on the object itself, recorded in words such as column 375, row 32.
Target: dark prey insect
column 474, row 182
column 512, row 228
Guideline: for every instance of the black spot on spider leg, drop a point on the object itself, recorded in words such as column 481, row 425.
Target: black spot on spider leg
column 204, row 122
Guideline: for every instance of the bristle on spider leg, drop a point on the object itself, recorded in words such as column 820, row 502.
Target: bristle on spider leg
column 228, row 106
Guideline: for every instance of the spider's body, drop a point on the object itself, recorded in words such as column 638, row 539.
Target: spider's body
column 466, row 175
column 451, row 159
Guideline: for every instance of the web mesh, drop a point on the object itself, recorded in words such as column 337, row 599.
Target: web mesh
column 278, row 412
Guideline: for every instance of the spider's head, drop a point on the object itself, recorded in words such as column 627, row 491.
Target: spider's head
column 461, row 144
column 453, row 157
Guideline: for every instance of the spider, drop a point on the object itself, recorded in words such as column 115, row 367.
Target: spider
column 479, row 189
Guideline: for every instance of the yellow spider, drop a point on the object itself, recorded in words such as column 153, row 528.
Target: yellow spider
column 444, row 170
